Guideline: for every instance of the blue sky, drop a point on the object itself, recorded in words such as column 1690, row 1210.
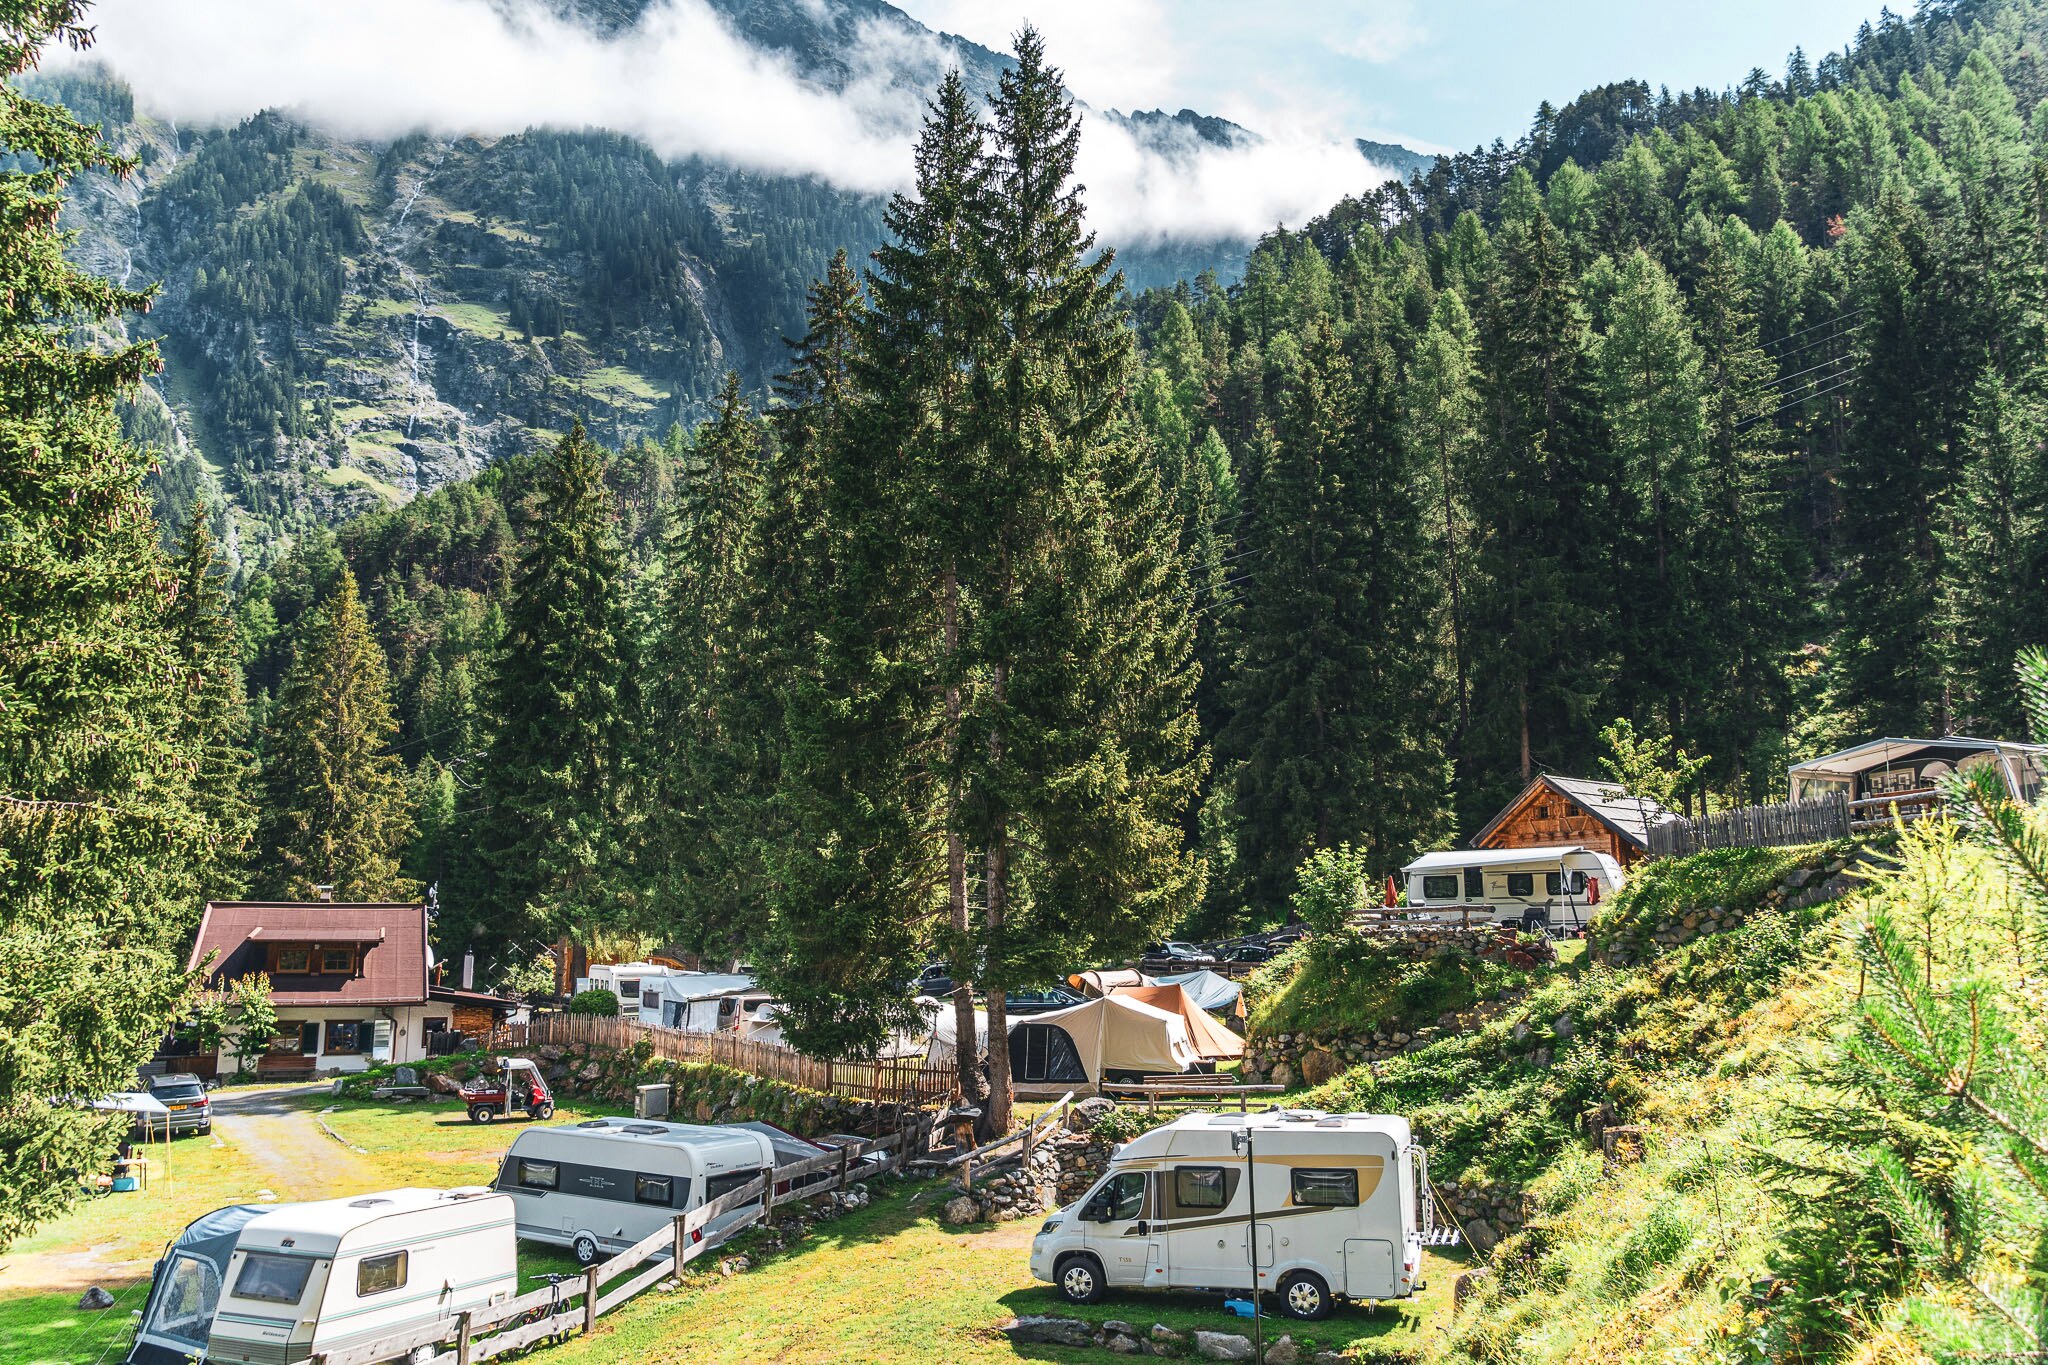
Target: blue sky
column 1449, row 74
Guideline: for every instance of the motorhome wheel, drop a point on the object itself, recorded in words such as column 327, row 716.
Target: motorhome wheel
column 1080, row 1279
column 1303, row 1295
column 585, row 1248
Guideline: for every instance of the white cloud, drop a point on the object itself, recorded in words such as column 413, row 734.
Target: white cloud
column 1121, row 54
column 687, row 85
column 1385, row 32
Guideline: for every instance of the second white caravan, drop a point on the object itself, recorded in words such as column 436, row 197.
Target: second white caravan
column 599, row 1186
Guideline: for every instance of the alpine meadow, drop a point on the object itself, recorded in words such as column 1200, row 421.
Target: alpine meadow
column 889, row 613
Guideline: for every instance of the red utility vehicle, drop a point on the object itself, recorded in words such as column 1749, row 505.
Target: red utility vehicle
column 518, row 1088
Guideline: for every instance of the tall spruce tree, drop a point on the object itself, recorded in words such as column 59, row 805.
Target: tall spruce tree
column 99, row 839
column 555, row 814
column 336, row 810
column 704, row 722
column 214, row 711
column 1441, row 429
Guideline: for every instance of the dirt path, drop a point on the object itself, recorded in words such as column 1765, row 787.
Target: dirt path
column 285, row 1142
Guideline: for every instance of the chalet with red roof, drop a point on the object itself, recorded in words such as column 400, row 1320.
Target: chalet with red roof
column 353, row 983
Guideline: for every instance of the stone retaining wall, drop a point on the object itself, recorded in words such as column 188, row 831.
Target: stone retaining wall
column 1060, row 1171
column 1638, row 942
column 705, row 1093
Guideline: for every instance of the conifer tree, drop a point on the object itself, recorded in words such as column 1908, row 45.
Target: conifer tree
column 214, row 711
column 1441, row 430
column 336, row 810
column 555, row 813
column 705, row 719
column 99, row 840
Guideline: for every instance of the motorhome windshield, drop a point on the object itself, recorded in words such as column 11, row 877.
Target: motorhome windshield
column 272, row 1279
column 184, row 1310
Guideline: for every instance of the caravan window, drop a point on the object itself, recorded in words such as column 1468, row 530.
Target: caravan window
column 1202, row 1188
column 1521, row 885
column 1557, row 884
column 1335, row 1189
column 1475, row 884
column 380, row 1274
column 272, row 1279
column 1440, row 888
column 540, row 1175
column 653, row 1189
column 720, row 1185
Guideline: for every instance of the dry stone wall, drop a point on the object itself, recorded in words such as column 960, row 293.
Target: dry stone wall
column 1639, row 941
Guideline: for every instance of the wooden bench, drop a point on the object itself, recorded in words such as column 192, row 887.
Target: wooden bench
column 286, row 1068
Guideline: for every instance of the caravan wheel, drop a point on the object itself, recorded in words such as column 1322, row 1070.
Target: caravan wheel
column 585, row 1249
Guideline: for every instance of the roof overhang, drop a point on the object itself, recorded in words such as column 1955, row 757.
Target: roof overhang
column 1880, row 753
column 264, row 934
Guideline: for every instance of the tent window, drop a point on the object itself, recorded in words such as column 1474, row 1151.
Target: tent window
column 1521, row 885
column 1325, row 1188
column 1044, row 1052
column 1439, row 888
column 184, row 1311
column 718, row 1186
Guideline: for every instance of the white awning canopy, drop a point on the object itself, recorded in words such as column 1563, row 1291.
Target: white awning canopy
column 1450, row 860
column 1880, row 753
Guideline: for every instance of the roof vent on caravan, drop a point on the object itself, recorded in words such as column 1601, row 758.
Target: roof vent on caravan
column 654, row 1128
column 1302, row 1115
column 366, row 1203
column 595, row 1123
column 466, row 1192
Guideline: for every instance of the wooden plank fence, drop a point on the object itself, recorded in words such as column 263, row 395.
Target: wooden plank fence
column 565, row 1310
column 1813, row 821
column 1027, row 1135
column 910, row 1081
column 1196, row 1091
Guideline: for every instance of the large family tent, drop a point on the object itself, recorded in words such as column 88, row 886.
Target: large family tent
column 1206, row 1034
column 1103, row 980
column 1113, row 1038
column 1213, row 991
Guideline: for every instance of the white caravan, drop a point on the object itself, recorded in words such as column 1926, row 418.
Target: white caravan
column 308, row 1279
column 1338, row 1201
column 1537, row 888
column 599, row 1186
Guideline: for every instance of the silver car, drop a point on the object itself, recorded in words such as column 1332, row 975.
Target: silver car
column 185, row 1096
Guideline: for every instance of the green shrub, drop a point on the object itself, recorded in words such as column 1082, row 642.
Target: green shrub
column 599, row 1002
column 1651, row 1244
column 1124, row 1123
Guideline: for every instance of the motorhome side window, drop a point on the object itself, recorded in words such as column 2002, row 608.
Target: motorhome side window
column 273, row 1279
column 380, row 1274
column 1337, row 1189
column 1201, row 1187
column 1439, row 888
column 1521, row 885
column 540, row 1175
column 653, row 1189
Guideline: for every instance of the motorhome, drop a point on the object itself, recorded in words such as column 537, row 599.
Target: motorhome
column 599, row 1186
column 1338, row 1202
column 309, row 1279
column 702, row 1002
column 1537, row 888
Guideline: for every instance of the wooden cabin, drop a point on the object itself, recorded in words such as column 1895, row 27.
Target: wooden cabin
column 1578, row 812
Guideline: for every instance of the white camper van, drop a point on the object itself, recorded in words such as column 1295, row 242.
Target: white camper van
column 1537, row 888
column 599, row 1186
column 1337, row 1200
column 307, row 1279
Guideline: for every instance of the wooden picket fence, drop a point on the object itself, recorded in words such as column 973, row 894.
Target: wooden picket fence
column 1813, row 821
column 566, row 1310
column 908, row 1081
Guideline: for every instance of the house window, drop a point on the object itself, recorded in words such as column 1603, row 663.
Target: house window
column 1440, row 888
column 652, row 1189
column 346, row 1037
column 290, row 960
column 338, row 961
column 1521, row 885
column 1475, row 884
column 380, row 1274
column 309, row 1039
column 540, row 1175
column 1336, row 1189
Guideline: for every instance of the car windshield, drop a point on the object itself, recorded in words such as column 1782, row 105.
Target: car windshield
column 184, row 1308
column 179, row 1092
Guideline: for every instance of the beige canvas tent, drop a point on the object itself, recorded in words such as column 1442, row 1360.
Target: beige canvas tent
column 1101, row 982
column 1206, row 1033
column 1115, row 1037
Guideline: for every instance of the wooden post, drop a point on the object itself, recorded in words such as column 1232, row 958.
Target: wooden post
column 590, row 1300
column 682, row 1250
column 462, row 1341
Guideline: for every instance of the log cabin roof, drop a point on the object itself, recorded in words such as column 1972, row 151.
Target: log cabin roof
column 1629, row 817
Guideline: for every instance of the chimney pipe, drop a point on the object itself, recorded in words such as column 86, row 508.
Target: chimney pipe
column 469, row 969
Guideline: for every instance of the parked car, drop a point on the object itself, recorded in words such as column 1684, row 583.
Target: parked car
column 1039, row 1002
column 185, row 1096
column 1176, row 951
column 937, row 982
column 1244, row 952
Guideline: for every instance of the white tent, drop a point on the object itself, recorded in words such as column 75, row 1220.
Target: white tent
column 151, row 1113
column 701, row 1002
column 936, row 1039
column 1090, row 1041
column 1213, row 991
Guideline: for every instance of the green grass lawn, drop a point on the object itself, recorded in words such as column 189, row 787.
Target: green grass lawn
column 891, row 1283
